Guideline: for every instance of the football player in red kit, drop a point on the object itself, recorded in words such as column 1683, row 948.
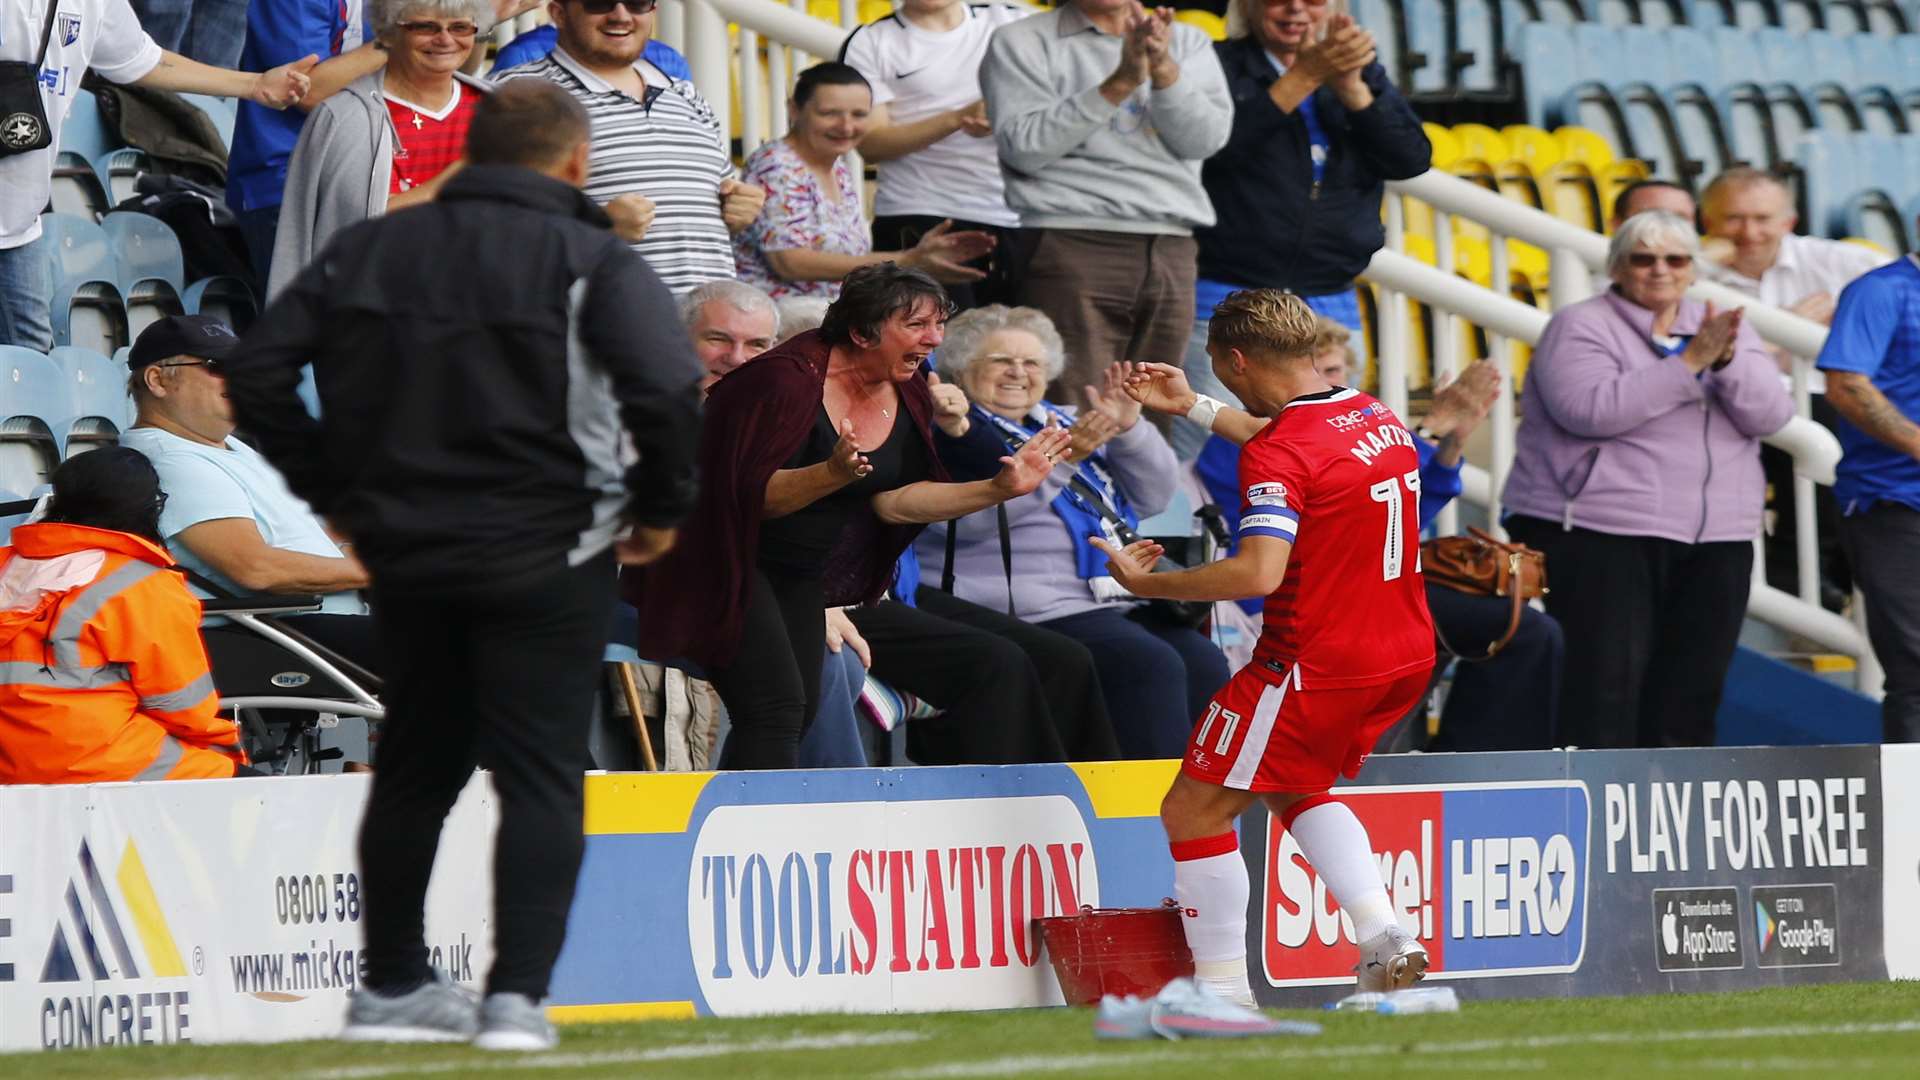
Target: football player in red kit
column 1330, row 536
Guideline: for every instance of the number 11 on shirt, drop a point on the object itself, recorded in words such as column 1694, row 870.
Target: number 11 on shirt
column 1393, row 555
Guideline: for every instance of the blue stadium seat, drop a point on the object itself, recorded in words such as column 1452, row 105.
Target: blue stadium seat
column 1800, row 16
column 77, row 190
column 1827, row 171
column 1602, row 56
column 1649, row 59
column 225, row 298
column 88, row 307
column 1883, row 61
column 1792, row 116
column 1786, row 57
column 1663, row 13
column 1834, row 108
column 1910, row 105
column 1382, row 17
column 1563, row 12
column 1881, row 162
column 1832, row 59
column 1694, row 57
column 146, row 248
column 1872, row 215
column 152, row 270
column 1887, row 17
column 1737, row 55
column 1548, row 70
column 1613, row 12
column 119, row 169
column 1754, row 14
column 1910, row 152
column 33, row 397
column 1702, row 132
column 1880, row 111
column 1707, row 14
column 1479, row 29
column 81, row 132
column 98, row 406
column 1911, row 215
column 1749, row 125
column 1427, row 31
column 1845, row 17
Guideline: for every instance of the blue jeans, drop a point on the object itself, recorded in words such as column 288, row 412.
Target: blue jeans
column 1186, row 436
column 210, row 31
column 258, row 227
column 1157, row 677
column 26, row 289
column 833, row 740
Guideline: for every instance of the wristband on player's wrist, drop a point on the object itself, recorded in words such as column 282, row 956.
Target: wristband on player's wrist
column 1204, row 410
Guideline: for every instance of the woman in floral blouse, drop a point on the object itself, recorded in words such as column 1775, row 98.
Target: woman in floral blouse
column 813, row 229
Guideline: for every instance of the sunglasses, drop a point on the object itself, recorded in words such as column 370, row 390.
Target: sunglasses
column 634, row 7
column 212, row 366
column 1644, row 260
column 434, row 29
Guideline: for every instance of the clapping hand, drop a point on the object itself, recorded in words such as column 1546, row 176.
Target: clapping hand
column 1346, row 51
column 1130, row 565
column 1111, row 395
column 1089, row 433
column 285, row 85
column 1712, row 344
column 950, row 406
column 1022, row 471
column 1162, row 388
column 1460, row 405
column 942, row 253
column 846, row 461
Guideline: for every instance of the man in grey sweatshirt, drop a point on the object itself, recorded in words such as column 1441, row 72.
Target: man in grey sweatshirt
column 1103, row 112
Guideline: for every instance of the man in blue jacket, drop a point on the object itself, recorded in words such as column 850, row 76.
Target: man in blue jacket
column 1318, row 129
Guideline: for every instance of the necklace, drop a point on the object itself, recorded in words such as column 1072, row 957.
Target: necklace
column 873, row 401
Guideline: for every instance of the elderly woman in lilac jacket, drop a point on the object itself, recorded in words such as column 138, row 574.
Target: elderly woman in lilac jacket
column 1637, row 471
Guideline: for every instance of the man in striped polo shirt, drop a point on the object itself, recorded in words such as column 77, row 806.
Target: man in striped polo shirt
column 660, row 161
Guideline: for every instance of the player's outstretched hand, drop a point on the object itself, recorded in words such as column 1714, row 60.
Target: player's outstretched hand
column 1162, row 388
column 1130, row 565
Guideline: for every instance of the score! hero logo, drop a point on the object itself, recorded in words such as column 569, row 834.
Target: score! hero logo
column 1492, row 878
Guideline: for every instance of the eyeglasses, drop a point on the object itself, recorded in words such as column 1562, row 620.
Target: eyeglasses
column 212, row 366
column 634, row 7
column 1014, row 361
column 434, row 29
column 1644, row 260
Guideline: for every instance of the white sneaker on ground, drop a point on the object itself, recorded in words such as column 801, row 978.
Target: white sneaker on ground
column 1123, row 1018
column 1391, row 960
column 436, row 1011
column 514, row 1022
column 1186, row 1010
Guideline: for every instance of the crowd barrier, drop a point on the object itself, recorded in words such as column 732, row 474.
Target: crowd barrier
column 229, row 910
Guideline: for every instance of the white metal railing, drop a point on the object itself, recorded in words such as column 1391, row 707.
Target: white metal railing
column 775, row 41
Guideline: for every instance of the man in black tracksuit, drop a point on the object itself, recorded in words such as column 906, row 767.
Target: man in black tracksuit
column 476, row 360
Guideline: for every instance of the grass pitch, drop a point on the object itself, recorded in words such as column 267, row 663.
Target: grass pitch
column 1865, row 1029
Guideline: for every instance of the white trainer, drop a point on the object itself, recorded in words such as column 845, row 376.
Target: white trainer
column 1391, row 960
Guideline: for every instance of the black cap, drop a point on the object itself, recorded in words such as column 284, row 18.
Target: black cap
column 182, row 335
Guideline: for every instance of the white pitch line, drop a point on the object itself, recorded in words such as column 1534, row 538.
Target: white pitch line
column 1032, row 1064
column 675, row 1052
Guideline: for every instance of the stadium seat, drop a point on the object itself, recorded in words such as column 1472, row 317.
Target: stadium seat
column 1846, row 18
column 152, row 270
column 1910, row 104
column 1754, row 14
column 225, row 298
column 1478, row 29
column 1707, row 14
column 88, row 308
column 98, row 407
column 1548, row 70
column 1702, row 132
column 1881, row 61
column 1887, row 17
column 1748, row 123
column 1826, row 168
column 1872, row 215
column 1532, row 146
column 1786, row 57
column 1833, row 107
column 1737, row 55
column 33, row 397
column 1383, row 18
column 81, row 132
column 1446, row 146
column 77, row 190
column 119, row 169
column 1482, row 144
column 1585, row 146
column 1800, row 16
column 1882, row 162
column 1793, row 117
column 1880, row 111
column 1428, row 54
column 1833, row 59
column 1649, row 56
column 1663, row 13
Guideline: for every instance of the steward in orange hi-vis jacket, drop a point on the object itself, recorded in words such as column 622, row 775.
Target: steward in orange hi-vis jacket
column 103, row 675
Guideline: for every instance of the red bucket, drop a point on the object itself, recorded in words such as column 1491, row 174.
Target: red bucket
column 1116, row 951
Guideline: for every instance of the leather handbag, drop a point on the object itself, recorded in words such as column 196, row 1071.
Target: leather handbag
column 1480, row 565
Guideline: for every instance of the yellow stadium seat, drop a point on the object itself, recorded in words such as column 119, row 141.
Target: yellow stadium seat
column 1446, row 147
column 1540, row 150
column 1420, row 247
column 1516, row 181
column 1584, row 145
column 874, row 10
column 1478, row 142
column 1214, row 25
column 1616, row 176
column 1472, row 260
column 1568, row 192
column 1870, row 245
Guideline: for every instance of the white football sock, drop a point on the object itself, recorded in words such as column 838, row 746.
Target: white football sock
column 1336, row 846
column 1210, row 881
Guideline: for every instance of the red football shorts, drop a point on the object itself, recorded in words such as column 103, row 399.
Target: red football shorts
column 1264, row 732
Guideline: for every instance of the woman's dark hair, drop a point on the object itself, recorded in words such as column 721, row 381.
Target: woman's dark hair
column 113, row 487
column 826, row 73
column 873, row 294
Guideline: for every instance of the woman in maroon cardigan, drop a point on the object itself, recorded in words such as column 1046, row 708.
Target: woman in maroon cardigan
column 817, row 471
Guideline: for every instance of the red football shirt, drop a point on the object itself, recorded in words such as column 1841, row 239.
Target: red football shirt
column 429, row 141
column 1337, row 474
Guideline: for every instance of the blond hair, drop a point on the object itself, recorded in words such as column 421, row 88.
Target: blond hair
column 1278, row 324
column 1328, row 334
